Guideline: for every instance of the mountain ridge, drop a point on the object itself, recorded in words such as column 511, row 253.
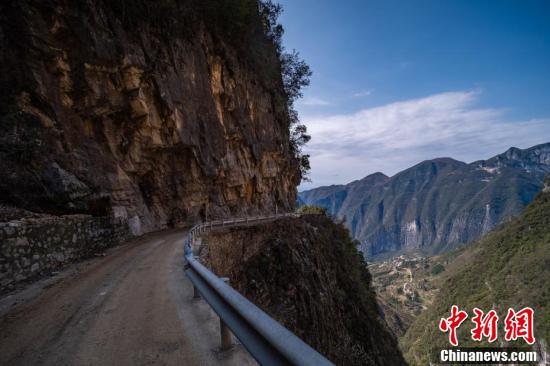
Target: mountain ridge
column 436, row 204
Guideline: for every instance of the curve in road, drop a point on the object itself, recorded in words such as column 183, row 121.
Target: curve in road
column 132, row 307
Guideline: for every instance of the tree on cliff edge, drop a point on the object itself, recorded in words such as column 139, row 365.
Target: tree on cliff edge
column 296, row 75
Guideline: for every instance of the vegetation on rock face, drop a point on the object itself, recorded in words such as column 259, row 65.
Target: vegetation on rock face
column 509, row 267
column 308, row 274
column 295, row 73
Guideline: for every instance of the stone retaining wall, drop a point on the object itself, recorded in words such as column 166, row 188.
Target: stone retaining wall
column 33, row 247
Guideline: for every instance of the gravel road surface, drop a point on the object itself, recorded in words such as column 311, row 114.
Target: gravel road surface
column 134, row 306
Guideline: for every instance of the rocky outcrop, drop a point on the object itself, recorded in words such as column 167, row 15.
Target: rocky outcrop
column 106, row 112
column 307, row 274
column 437, row 204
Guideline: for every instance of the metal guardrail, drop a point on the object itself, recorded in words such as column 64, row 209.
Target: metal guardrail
column 265, row 339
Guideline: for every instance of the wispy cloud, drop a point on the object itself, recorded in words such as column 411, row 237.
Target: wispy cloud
column 363, row 93
column 314, row 102
column 395, row 136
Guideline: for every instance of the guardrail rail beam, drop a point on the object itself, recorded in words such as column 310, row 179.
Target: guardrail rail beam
column 265, row 339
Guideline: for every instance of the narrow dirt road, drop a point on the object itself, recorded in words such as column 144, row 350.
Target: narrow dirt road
column 131, row 307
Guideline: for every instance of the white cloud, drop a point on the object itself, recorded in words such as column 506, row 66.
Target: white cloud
column 396, row 136
column 314, row 102
column 363, row 93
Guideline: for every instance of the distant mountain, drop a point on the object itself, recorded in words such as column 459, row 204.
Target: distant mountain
column 509, row 267
column 437, row 204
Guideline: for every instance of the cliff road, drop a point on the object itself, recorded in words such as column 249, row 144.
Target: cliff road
column 133, row 306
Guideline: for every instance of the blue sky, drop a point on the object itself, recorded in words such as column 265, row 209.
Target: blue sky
column 398, row 82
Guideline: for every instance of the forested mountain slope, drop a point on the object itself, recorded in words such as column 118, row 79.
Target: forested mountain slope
column 509, row 267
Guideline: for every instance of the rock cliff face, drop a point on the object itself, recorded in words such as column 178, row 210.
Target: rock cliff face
column 438, row 203
column 105, row 112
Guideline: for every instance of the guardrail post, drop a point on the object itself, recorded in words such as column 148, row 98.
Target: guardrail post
column 196, row 293
column 225, row 333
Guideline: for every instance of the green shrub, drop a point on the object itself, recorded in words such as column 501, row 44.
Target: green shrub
column 312, row 210
column 437, row 269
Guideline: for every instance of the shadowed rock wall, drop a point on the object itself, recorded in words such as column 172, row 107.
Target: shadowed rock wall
column 105, row 112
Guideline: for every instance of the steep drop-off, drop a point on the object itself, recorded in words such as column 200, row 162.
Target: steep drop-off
column 157, row 114
column 308, row 274
column 437, row 204
column 510, row 267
